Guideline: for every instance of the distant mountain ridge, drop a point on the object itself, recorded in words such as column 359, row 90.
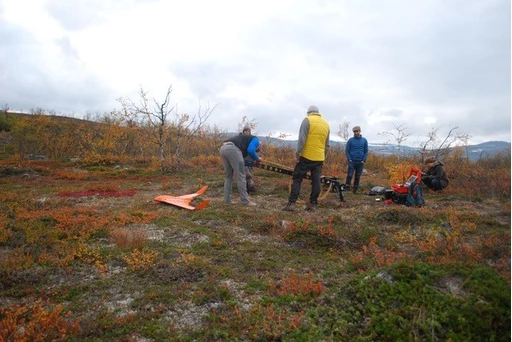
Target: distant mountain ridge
column 474, row 152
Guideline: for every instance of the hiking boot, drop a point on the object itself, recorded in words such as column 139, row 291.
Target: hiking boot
column 311, row 207
column 250, row 204
column 354, row 190
column 346, row 187
column 289, row 206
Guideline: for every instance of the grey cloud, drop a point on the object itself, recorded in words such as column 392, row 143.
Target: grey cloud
column 209, row 78
column 459, row 53
column 78, row 14
column 74, row 15
column 28, row 83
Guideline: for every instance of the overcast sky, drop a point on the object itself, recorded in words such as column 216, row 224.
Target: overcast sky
column 378, row 64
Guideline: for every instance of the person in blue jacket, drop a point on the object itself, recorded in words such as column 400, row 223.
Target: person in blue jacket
column 356, row 151
column 249, row 164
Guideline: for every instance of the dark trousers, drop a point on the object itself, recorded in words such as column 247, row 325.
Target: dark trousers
column 299, row 173
column 433, row 183
column 356, row 166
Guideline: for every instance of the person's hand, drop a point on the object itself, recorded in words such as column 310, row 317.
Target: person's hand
column 297, row 159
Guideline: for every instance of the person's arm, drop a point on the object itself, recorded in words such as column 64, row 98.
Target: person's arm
column 303, row 134
column 428, row 174
column 327, row 142
column 348, row 146
column 253, row 146
column 365, row 155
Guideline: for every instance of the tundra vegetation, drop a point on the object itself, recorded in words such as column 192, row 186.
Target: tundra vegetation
column 86, row 254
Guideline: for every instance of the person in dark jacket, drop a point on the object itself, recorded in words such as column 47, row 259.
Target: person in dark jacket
column 435, row 178
column 356, row 151
column 233, row 151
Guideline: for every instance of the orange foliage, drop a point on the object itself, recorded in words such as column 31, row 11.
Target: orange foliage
column 136, row 217
column 56, row 232
column 399, row 172
column 297, row 285
column 82, row 222
column 328, row 231
column 140, row 259
column 92, row 257
column 74, row 222
column 275, row 321
column 450, row 246
column 16, row 259
column 35, row 322
column 377, row 256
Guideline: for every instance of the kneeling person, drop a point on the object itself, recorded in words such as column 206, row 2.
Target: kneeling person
column 435, row 178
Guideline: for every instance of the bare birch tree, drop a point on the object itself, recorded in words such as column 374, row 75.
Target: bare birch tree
column 440, row 147
column 172, row 129
column 399, row 136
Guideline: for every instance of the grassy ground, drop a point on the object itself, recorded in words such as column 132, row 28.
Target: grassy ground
column 87, row 254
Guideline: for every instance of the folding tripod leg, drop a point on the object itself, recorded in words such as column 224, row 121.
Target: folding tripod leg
column 339, row 188
column 324, row 195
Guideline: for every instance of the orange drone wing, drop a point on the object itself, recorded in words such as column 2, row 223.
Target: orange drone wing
column 184, row 200
column 195, row 194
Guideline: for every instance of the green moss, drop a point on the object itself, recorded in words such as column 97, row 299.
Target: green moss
column 420, row 301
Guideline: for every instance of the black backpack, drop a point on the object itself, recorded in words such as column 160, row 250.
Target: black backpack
column 415, row 196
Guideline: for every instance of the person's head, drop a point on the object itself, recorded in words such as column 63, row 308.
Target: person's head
column 313, row 110
column 357, row 131
column 430, row 161
column 246, row 130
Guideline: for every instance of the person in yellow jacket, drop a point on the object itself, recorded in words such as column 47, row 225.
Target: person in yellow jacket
column 314, row 134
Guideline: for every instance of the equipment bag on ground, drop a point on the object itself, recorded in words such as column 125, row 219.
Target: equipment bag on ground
column 415, row 196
